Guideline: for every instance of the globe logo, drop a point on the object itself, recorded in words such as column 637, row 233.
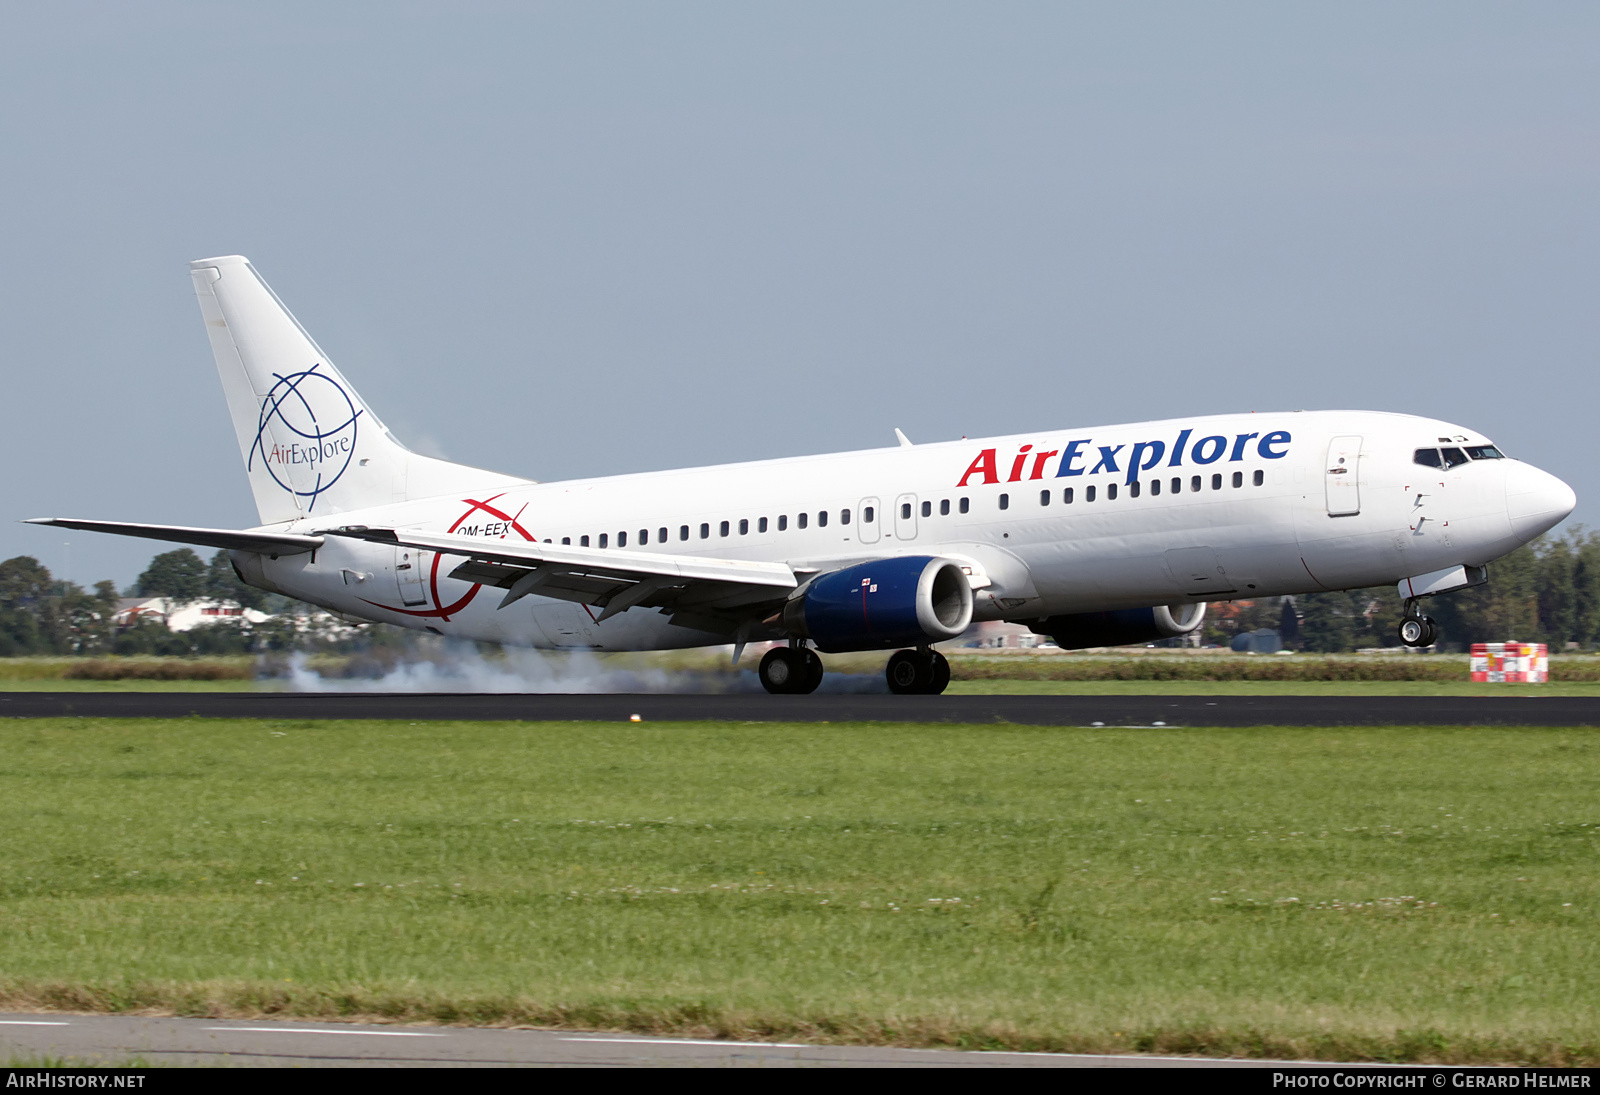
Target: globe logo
column 306, row 435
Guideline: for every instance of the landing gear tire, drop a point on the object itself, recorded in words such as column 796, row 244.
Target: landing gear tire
column 917, row 673
column 908, row 673
column 781, row 670
column 790, row 671
column 1418, row 631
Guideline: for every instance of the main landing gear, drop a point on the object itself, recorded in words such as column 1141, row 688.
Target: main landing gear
column 917, row 672
column 1417, row 629
column 796, row 670
column 790, row 670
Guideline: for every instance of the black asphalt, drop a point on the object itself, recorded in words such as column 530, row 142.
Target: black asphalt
column 95, row 1040
column 1529, row 710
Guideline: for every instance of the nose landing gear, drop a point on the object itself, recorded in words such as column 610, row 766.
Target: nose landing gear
column 1417, row 629
column 790, row 670
column 917, row 672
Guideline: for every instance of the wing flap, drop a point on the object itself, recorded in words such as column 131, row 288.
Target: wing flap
column 725, row 591
column 627, row 565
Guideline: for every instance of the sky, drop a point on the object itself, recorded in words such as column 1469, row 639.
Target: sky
column 574, row 239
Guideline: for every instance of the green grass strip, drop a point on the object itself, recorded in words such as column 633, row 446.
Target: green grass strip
column 1387, row 894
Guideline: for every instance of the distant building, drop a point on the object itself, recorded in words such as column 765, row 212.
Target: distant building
column 184, row 615
column 1261, row 641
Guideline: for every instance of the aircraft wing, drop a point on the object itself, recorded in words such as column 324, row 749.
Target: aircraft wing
column 267, row 543
column 708, row 594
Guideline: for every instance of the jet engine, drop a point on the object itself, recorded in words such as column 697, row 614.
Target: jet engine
column 905, row 601
column 1122, row 627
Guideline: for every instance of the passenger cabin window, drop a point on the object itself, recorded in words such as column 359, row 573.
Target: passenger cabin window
column 603, row 539
column 1044, row 498
column 800, row 519
column 822, row 518
column 1428, row 458
column 1177, row 485
column 783, row 522
column 944, row 507
column 905, row 511
column 1155, row 486
column 963, row 505
column 1111, row 492
column 683, row 532
column 1238, row 479
column 927, row 509
column 567, row 540
column 1133, row 488
column 1216, row 481
column 723, row 528
column 1260, row 477
column 705, row 531
column 583, row 541
column 1005, row 501
column 1066, row 497
column 1088, row 494
column 744, row 526
column 868, row 515
column 844, row 517
column 761, row 525
column 1194, row 483
column 622, row 539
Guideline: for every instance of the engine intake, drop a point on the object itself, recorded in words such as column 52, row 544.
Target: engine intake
column 1122, row 627
column 905, row 601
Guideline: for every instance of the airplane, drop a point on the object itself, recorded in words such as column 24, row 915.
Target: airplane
column 1098, row 536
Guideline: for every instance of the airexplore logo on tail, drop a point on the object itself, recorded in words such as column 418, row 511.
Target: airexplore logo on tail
column 306, row 436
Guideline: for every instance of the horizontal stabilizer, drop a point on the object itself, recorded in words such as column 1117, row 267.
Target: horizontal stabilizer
column 267, row 543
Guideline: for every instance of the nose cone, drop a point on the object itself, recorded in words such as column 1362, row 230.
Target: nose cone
column 1536, row 501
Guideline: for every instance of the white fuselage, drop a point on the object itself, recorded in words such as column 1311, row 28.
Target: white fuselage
column 1283, row 503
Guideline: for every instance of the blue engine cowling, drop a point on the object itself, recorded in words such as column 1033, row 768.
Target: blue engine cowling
column 1122, row 627
column 905, row 601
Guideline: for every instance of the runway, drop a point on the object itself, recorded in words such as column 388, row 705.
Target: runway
column 116, row 1039
column 1149, row 711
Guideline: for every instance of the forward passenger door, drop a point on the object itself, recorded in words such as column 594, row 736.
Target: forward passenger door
column 1343, row 477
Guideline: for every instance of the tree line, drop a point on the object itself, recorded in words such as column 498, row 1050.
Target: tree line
column 41, row 614
column 1548, row 591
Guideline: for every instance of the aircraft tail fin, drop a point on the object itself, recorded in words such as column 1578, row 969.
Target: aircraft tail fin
column 311, row 445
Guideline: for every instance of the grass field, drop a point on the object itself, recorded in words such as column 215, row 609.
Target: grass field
column 974, row 672
column 1388, row 894
column 1010, row 687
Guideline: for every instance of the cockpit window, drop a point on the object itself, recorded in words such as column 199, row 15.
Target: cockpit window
column 1453, row 458
column 1485, row 452
column 1429, row 458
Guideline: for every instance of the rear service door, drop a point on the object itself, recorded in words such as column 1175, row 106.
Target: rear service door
column 1343, row 477
column 411, row 575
